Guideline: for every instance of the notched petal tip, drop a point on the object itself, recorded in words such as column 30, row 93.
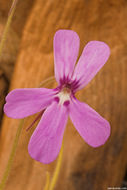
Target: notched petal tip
column 11, row 94
column 5, row 109
column 21, row 103
column 11, row 111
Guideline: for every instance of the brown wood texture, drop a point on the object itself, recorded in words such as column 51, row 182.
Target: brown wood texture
column 83, row 167
column 10, row 51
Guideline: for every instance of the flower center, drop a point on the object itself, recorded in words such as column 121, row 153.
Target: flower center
column 66, row 90
column 64, row 95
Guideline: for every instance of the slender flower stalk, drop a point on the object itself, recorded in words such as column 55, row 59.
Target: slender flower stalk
column 57, row 170
column 10, row 161
column 10, row 16
column 3, row 39
column 47, row 181
column 47, row 81
column 13, row 7
column 51, row 186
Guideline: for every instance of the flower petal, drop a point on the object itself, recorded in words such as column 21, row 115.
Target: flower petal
column 93, row 128
column 94, row 56
column 46, row 140
column 66, row 47
column 24, row 102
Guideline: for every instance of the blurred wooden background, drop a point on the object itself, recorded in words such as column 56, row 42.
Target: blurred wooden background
column 29, row 53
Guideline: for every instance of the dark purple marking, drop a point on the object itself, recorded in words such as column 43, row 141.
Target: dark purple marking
column 68, row 83
column 66, row 103
column 57, row 99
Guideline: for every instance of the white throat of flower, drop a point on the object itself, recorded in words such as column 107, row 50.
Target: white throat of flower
column 63, row 97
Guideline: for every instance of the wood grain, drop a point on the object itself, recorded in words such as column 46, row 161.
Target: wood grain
column 83, row 167
column 12, row 45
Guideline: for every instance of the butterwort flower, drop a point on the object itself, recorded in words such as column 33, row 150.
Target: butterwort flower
column 45, row 143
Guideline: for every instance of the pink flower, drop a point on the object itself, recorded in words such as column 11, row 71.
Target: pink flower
column 61, row 102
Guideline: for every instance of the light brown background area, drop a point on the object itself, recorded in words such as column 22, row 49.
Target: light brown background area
column 83, row 167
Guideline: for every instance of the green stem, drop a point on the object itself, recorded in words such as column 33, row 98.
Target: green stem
column 10, row 15
column 47, row 181
column 10, row 161
column 57, row 170
column 47, row 81
column 3, row 39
